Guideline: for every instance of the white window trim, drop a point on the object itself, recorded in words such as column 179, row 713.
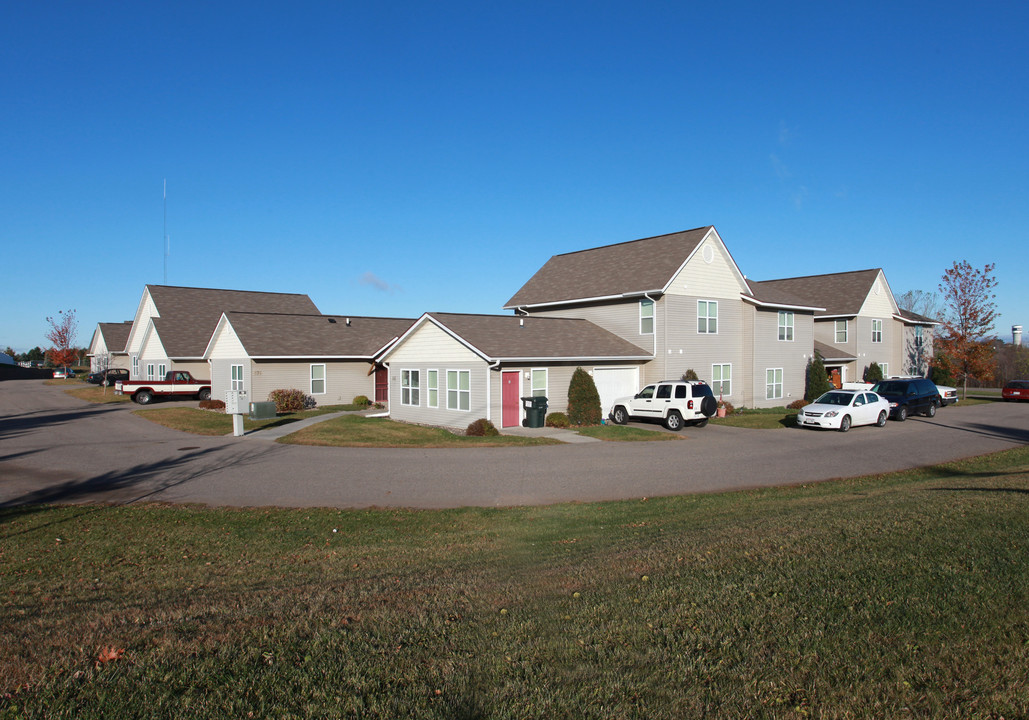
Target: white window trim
column 722, row 381
column 415, row 388
column 135, row 366
column 458, row 390
column 879, row 332
column 431, row 388
column 774, row 385
column 885, row 367
column 241, row 379
column 546, row 385
column 836, row 332
column 791, row 324
column 162, row 371
column 150, row 372
column 652, row 317
column 324, row 378
column 707, row 318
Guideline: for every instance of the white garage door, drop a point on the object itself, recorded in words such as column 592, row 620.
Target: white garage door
column 613, row 383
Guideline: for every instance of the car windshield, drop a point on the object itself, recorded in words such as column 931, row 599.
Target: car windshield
column 834, row 398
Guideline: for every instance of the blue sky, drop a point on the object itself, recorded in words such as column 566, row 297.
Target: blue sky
column 396, row 158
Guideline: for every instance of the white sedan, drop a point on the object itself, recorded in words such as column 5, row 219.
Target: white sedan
column 842, row 409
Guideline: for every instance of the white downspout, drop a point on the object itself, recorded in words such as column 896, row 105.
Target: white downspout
column 489, row 403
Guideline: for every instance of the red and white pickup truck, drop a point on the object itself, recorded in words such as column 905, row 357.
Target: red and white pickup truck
column 175, row 383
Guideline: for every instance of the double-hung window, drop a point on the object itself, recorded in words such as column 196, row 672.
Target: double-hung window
column 785, row 325
column 162, row 371
column 459, row 394
column 877, row 331
column 150, row 372
column 409, row 387
column 135, row 367
column 646, row 317
column 885, row 367
column 918, row 336
column 721, row 379
column 707, row 317
column 539, row 382
column 236, row 377
column 318, row 379
column 773, row 383
column 432, row 378
column 841, row 331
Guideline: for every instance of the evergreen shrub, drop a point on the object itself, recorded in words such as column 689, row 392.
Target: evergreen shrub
column 482, row 428
column 583, row 399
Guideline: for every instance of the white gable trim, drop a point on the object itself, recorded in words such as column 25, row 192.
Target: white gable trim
column 428, row 318
column 781, row 306
column 711, row 234
column 139, row 324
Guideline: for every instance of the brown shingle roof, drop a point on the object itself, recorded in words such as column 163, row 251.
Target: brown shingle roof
column 188, row 316
column 315, row 336
column 115, row 335
column 916, row 318
column 629, row 267
column 769, row 295
column 512, row 336
column 828, row 352
column 839, row 293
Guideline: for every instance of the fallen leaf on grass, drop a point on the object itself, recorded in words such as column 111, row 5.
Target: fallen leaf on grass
column 109, row 654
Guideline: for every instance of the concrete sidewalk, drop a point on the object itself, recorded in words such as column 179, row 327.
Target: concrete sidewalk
column 274, row 433
column 561, row 434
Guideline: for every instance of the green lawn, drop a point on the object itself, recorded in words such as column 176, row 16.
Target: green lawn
column 622, row 433
column 896, row 596
column 359, row 431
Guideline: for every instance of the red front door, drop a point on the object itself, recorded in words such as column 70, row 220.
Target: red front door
column 381, row 385
column 511, row 398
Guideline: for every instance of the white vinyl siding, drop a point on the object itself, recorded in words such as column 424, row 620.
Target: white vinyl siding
column 773, row 383
column 646, row 317
column 721, row 379
column 458, row 390
column 877, row 331
column 432, row 378
column 409, row 388
column 707, row 317
column 539, row 382
column 236, row 378
column 317, row 379
column 841, row 331
column 786, row 322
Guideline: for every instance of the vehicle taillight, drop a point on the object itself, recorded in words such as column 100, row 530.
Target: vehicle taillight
column 690, row 405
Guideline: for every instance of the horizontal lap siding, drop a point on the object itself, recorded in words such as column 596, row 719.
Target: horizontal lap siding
column 620, row 317
column 791, row 357
column 343, row 380
column 441, row 416
column 221, row 378
column 559, row 377
column 685, row 348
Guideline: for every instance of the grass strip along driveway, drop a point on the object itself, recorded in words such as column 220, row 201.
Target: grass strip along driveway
column 892, row 596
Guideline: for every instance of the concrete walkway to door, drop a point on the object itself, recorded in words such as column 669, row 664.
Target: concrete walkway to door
column 561, row 434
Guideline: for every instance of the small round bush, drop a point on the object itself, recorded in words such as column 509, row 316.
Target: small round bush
column 362, row 401
column 212, row 405
column 556, row 420
column 291, row 400
column 482, row 428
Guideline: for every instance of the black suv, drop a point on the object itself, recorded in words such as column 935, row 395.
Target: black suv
column 113, row 375
column 909, row 396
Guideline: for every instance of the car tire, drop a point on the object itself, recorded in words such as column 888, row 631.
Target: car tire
column 673, row 421
column 204, row 394
column 144, row 397
column 619, row 416
column 902, row 413
column 931, row 410
column 881, row 422
column 708, row 406
column 845, row 423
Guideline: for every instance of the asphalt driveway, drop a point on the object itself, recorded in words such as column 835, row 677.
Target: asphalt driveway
column 55, row 448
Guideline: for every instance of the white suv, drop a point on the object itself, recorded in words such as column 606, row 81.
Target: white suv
column 674, row 402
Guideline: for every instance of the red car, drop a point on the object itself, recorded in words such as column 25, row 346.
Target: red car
column 1016, row 390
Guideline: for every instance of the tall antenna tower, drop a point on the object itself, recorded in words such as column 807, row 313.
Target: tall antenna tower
column 167, row 241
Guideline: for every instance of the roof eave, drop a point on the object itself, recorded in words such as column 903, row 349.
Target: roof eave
column 784, row 306
column 576, row 301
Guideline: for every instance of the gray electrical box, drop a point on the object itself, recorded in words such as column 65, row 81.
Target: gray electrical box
column 262, row 410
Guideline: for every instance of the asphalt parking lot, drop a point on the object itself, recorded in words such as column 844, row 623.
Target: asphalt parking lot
column 55, row 448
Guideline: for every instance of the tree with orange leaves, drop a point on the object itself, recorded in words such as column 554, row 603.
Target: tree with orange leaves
column 967, row 323
column 62, row 338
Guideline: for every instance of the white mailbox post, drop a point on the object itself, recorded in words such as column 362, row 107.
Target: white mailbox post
column 235, row 401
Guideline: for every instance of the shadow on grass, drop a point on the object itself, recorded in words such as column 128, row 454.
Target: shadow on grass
column 1014, row 491
column 131, row 485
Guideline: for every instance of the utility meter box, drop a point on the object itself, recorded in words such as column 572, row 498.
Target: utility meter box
column 262, row 410
column 235, row 402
